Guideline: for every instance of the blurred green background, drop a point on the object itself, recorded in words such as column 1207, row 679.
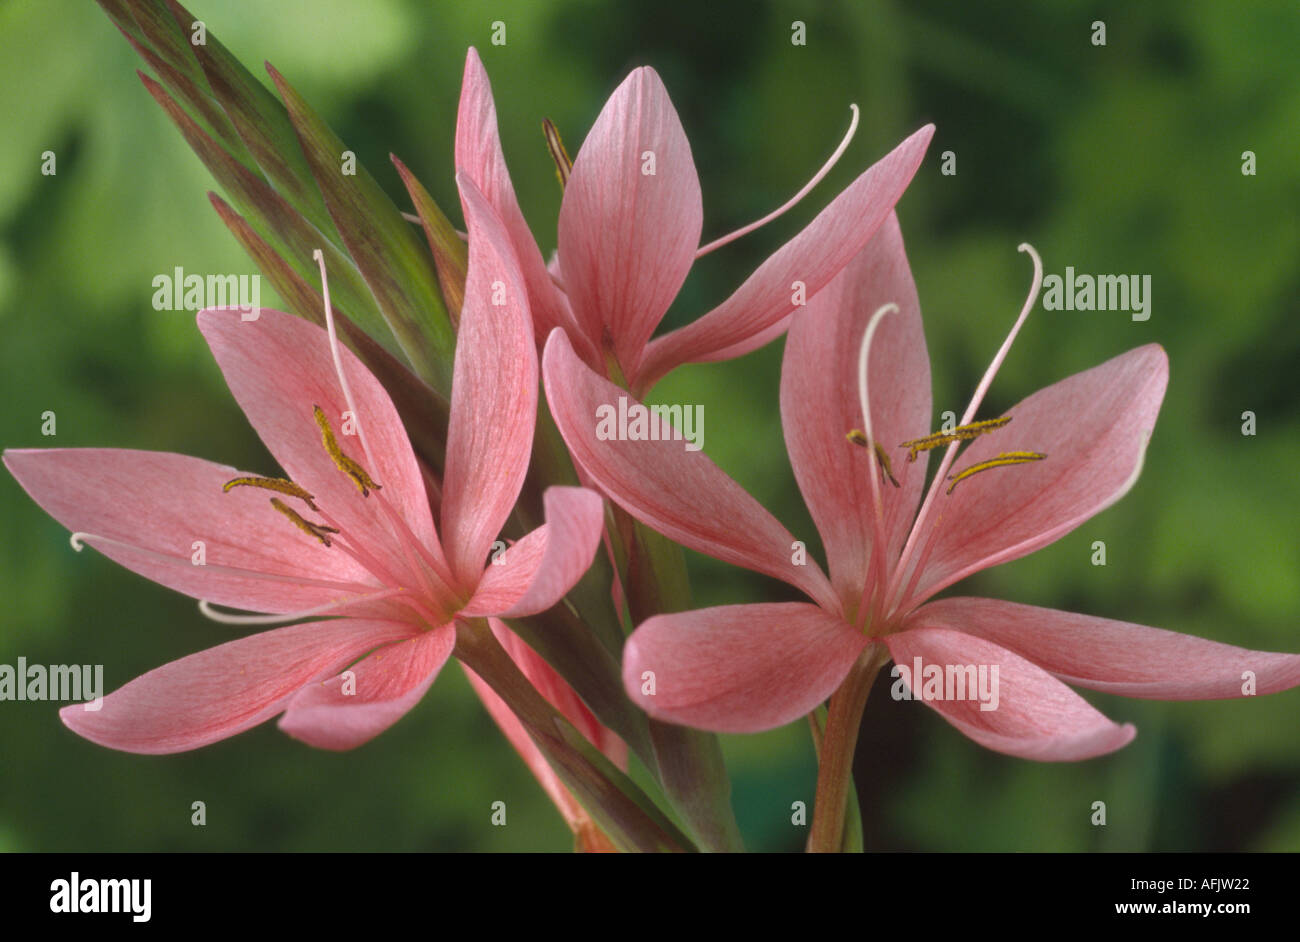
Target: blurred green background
column 1123, row 158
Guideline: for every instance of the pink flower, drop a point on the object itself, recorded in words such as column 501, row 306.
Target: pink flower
column 752, row 667
column 587, row 835
column 629, row 231
column 348, row 534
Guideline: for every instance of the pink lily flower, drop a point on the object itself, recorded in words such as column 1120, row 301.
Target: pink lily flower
column 348, row 532
column 629, row 231
column 746, row 668
column 587, row 836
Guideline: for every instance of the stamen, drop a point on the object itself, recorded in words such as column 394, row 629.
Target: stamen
column 338, row 360
column 563, row 165
column 395, row 521
column 826, row 168
column 878, row 541
column 920, row 530
column 318, row 530
column 345, row 464
column 959, row 434
column 1002, row 460
column 859, row 437
column 283, row 485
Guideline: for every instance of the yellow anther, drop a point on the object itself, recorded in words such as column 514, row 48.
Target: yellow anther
column 1002, row 460
column 282, row 485
column 563, row 165
column 859, row 437
column 345, row 464
column 318, row 530
column 960, row 434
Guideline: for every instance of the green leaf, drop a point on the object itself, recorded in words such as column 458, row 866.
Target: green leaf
column 621, row 809
column 291, row 236
column 388, row 254
column 450, row 254
column 262, row 123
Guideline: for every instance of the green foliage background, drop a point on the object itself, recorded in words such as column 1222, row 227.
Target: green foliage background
column 1122, row 158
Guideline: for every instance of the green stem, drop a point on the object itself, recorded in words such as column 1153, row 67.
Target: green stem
column 618, row 806
column 839, row 741
column 689, row 762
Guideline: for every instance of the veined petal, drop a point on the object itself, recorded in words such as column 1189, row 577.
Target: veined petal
column 279, row 367
column 164, row 511
column 1093, row 427
column 224, row 690
column 631, row 218
column 383, row 688
column 1115, row 656
column 479, row 156
column 537, row 571
column 738, row 668
column 819, row 405
column 680, row 493
column 493, row 398
column 1034, row 715
column 744, row 321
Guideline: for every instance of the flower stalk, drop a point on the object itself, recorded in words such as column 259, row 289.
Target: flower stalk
column 838, row 743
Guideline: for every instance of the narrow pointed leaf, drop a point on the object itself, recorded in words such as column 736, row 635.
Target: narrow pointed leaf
column 396, row 266
column 291, row 236
column 450, row 254
column 168, row 39
column 196, row 100
column 262, row 123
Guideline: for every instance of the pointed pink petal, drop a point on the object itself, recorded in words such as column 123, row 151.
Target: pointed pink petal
column 279, row 367
column 820, row 404
column 162, row 504
column 479, row 156
column 744, row 321
column 538, row 570
column 1093, row 427
column 385, row 686
column 738, row 668
column 680, row 493
column 627, row 237
column 494, row 395
column 224, row 690
column 1036, row 716
column 1115, row 656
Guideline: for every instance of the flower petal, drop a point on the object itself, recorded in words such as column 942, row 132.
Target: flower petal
column 479, row 156
column 385, row 686
column 1093, row 427
column 224, row 690
column 744, row 321
column 631, row 218
column 162, row 509
column 819, row 404
column 493, row 398
column 538, row 570
column 738, row 668
column 278, row 368
column 680, row 493
column 1118, row 657
column 1033, row 715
